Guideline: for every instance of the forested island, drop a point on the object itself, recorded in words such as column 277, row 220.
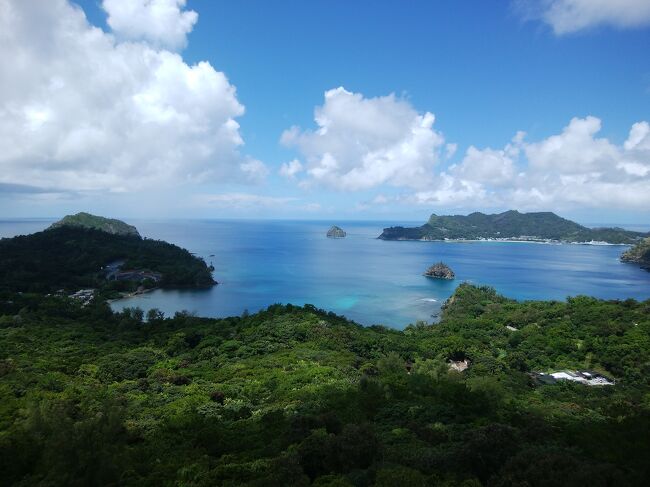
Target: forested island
column 297, row 396
column 79, row 253
column 510, row 225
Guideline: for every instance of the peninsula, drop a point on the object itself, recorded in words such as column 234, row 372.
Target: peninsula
column 639, row 254
column 511, row 225
column 85, row 251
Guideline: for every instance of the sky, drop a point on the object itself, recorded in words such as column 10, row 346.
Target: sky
column 332, row 110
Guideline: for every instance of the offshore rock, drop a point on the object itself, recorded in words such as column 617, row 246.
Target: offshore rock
column 336, row 232
column 440, row 271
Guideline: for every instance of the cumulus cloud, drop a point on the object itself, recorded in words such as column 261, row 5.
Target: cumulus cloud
column 361, row 143
column 574, row 151
column 291, row 169
column 568, row 16
column 364, row 143
column 80, row 110
column 495, row 167
column 164, row 23
column 574, row 168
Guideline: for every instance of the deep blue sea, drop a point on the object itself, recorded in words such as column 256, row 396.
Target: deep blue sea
column 258, row 263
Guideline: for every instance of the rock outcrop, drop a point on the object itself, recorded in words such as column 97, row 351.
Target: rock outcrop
column 440, row 271
column 336, row 232
column 639, row 254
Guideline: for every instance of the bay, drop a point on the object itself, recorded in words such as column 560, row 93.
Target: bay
column 258, row 263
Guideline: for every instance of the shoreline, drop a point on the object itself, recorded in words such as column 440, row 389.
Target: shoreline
column 133, row 294
column 506, row 240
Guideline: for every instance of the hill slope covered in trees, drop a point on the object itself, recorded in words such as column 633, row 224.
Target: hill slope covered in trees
column 296, row 396
column 108, row 225
column 509, row 225
column 72, row 257
column 639, row 254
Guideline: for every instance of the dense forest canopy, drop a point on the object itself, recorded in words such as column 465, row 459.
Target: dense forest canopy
column 72, row 257
column 296, row 396
column 510, row 224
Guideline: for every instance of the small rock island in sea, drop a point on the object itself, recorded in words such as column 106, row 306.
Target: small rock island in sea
column 336, row 232
column 440, row 271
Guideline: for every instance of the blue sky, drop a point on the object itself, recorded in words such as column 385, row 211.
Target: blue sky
column 485, row 70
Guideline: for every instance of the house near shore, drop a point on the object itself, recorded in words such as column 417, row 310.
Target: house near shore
column 83, row 295
column 587, row 377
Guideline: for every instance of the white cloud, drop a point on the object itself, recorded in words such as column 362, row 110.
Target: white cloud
column 81, row 111
column 291, row 169
column 572, row 169
column 363, row 142
column 568, row 16
column 575, row 150
column 639, row 138
column 255, row 171
column 495, row 167
column 242, row 200
column 450, row 150
column 164, row 23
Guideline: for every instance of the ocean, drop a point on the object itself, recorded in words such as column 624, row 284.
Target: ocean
column 259, row 263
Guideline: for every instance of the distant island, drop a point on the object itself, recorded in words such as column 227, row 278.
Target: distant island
column 86, row 251
column 511, row 225
column 440, row 271
column 639, row 254
column 108, row 225
column 336, row 232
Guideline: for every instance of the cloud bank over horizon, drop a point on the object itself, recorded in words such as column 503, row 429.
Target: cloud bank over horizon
column 363, row 143
column 119, row 113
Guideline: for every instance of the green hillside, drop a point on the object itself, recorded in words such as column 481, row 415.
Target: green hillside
column 509, row 225
column 72, row 257
column 639, row 254
column 86, row 220
column 295, row 396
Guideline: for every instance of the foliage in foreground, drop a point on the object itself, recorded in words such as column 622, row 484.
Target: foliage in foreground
column 297, row 396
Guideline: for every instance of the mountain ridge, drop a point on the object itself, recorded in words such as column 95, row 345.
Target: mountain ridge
column 510, row 225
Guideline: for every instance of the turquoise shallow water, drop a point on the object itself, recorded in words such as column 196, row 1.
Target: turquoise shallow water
column 368, row 280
